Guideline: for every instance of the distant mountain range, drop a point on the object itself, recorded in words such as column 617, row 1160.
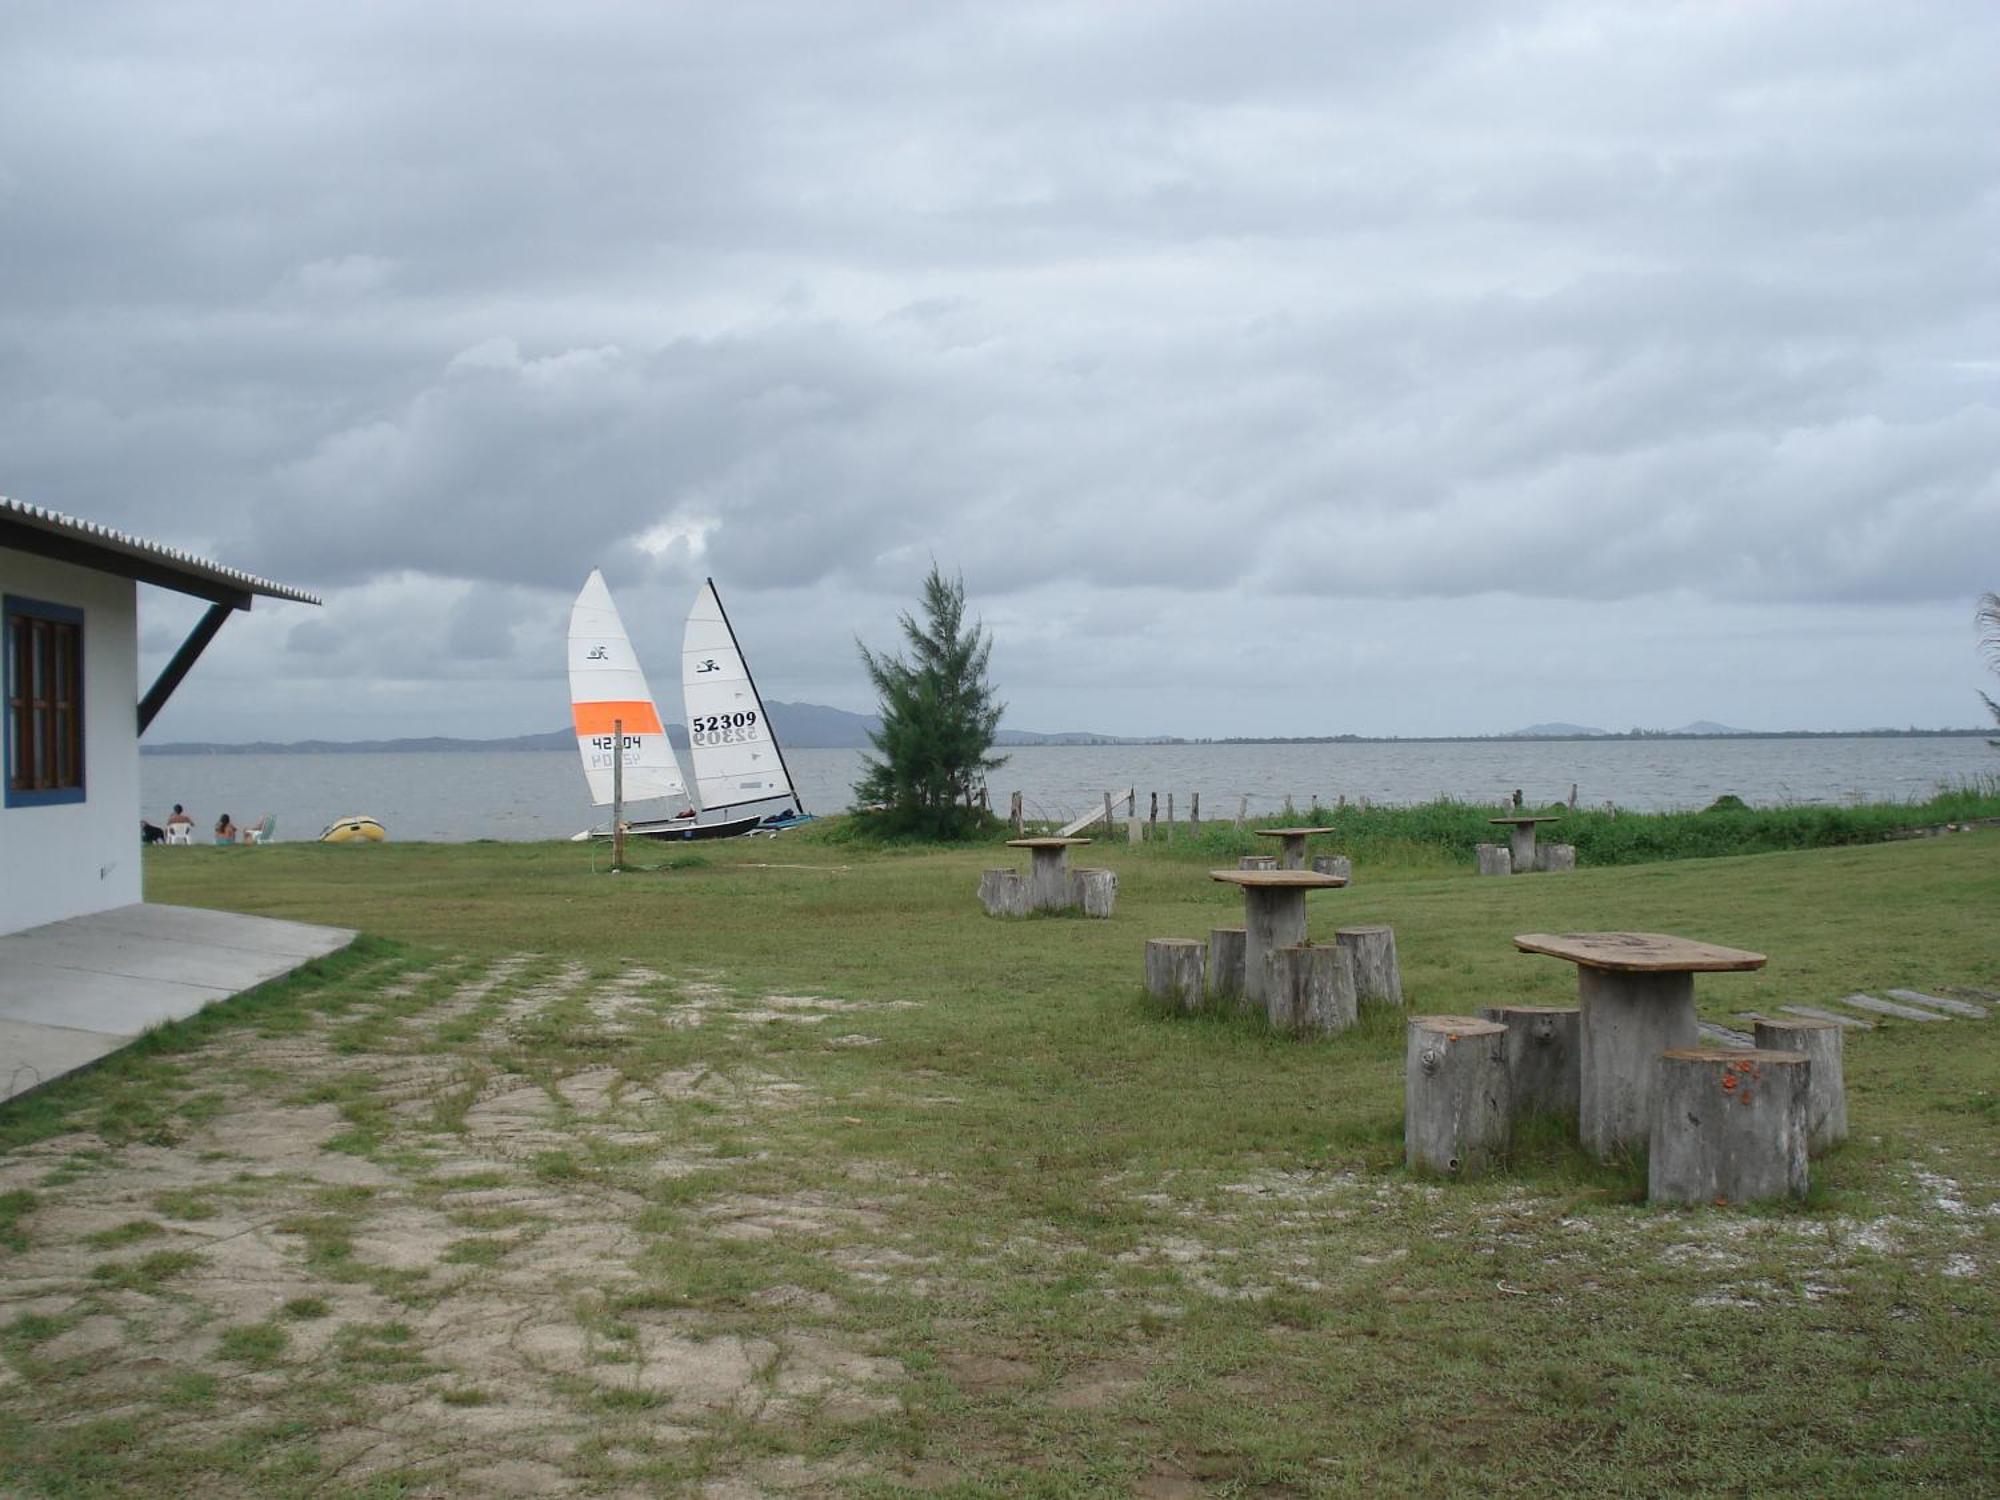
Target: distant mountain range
column 1701, row 728
column 800, row 726
column 814, row 726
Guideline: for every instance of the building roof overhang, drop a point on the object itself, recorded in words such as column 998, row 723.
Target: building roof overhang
column 51, row 534
column 86, row 544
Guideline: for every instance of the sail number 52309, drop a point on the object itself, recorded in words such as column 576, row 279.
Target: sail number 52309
column 723, row 729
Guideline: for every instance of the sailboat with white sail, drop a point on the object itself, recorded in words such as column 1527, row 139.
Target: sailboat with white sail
column 737, row 762
column 616, row 720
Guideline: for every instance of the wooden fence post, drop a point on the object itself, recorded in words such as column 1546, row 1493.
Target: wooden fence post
column 1153, row 818
column 1014, row 815
column 617, row 795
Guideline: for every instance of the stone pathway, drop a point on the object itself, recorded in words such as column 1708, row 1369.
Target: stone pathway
column 1964, row 1002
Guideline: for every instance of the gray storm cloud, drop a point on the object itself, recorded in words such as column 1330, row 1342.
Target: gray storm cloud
column 1157, row 320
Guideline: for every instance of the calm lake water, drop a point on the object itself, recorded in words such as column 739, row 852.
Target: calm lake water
column 540, row 795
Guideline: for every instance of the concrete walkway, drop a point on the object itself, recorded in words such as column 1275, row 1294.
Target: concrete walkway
column 74, row 991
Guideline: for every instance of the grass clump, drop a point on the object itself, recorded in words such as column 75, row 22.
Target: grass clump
column 183, row 1203
column 147, row 1274
column 258, row 1345
column 121, row 1235
column 386, row 1353
column 15, row 1207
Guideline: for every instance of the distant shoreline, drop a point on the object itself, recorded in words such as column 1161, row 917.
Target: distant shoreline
column 546, row 743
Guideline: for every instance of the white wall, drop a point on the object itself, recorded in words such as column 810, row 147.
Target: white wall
column 73, row 858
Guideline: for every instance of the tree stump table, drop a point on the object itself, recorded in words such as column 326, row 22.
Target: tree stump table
column 1521, row 837
column 1048, row 880
column 1274, row 916
column 1636, row 994
column 1292, row 852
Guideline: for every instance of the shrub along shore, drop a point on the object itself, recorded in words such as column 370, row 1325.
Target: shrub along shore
column 776, row 1166
column 1445, row 832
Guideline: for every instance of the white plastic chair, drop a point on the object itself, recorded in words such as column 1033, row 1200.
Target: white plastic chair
column 263, row 832
column 180, row 833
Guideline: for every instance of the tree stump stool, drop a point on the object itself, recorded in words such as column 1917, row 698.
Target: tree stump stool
column 1334, row 864
column 1456, row 1115
column 1225, row 963
column 1495, row 859
column 1174, row 971
column 1555, row 858
column 1826, row 1097
column 1377, row 979
column 1544, row 1058
column 1729, row 1126
column 1094, row 892
column 1003, row 893
column 1257, row 862
column 1310, row 991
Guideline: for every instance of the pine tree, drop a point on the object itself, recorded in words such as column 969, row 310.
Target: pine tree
column 938, row 718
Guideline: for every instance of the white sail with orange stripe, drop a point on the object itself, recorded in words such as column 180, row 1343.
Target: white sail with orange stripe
column 608, row 694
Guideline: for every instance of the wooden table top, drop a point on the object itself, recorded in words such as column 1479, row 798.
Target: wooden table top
column 1640, row 952
column 1530, row 818
column 1044, row 843
column 1288, row 833
column 1305, row 880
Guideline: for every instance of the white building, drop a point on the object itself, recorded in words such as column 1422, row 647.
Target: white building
column 70, row 707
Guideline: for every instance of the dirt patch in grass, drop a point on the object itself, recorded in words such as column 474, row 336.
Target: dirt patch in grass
column 395, row 1232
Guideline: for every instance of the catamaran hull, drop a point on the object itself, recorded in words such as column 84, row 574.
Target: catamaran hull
column 676, row 829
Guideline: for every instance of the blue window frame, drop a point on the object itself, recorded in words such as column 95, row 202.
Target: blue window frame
column 43, row 702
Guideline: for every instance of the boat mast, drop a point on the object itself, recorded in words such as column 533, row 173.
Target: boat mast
column 797, row 800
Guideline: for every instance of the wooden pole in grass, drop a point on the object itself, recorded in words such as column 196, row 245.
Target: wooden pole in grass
column 1153, row 818
column 1194, row 814
column 617, row 795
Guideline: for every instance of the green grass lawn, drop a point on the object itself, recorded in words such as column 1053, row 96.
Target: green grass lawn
column 778, row 1168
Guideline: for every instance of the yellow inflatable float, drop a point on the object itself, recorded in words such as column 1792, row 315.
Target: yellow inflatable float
column 359, row 829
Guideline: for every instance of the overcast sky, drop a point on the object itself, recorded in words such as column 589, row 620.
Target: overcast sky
column 1293, row 368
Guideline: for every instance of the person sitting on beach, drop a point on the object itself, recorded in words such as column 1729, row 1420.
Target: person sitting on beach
column 225, row 831
column 178, row 817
